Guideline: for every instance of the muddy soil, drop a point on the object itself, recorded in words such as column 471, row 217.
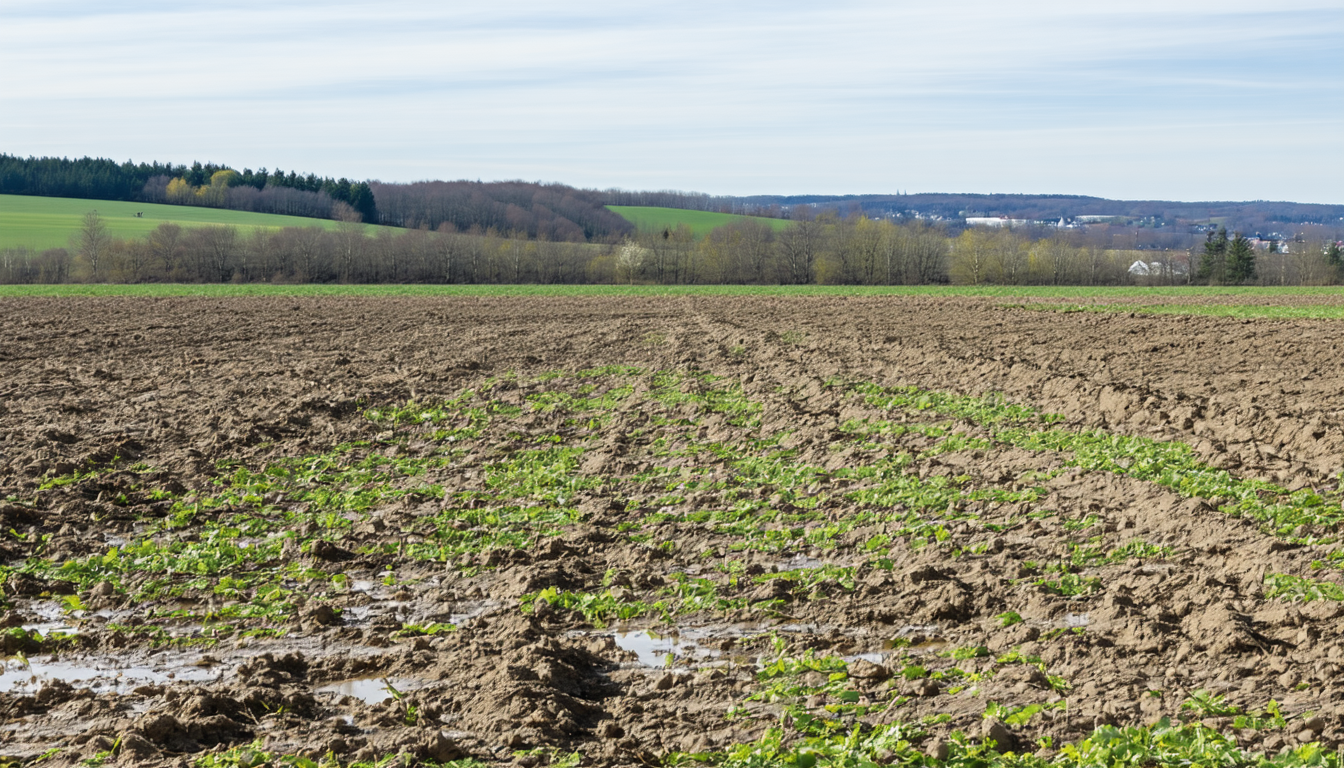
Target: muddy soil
column 515, row 529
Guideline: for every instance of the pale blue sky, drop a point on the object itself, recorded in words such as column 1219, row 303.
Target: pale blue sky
column 1186, row 100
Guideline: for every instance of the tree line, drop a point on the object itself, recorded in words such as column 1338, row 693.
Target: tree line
column 525, row 209
column 556, row 212
column 205, row 184
column 825, row 249
column 347, row 253
column 767, row 207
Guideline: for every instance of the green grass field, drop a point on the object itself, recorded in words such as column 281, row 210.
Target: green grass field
column 700, row 222
column 48, row 222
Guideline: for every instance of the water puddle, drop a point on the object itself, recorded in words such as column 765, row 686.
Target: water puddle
column 46, row 628
column 919, row 638
column 51, row 617
column 20, row 678
column 700, row 646
column 47, row 610
column 357, row 613
column 372, row 690
column 799, row 563
column 472, row 609
column 917, row 629
column 808, row 629
column 655, row 650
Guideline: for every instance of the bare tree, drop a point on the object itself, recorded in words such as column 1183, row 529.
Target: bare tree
column 350, row 242
column 307, row 244
column 1056, row 258
column 128, row 260
column 91, row 244
column 212, row 251
column 799, row 246
column 972, row 254
column 165, row 250
column 926, row 249
column 1012, row 257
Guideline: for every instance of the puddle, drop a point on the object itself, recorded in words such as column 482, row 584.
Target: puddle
column 923, row 638
column 51, row 617
column 653, row 648
column 920, row 629
column 356, row 613
column 19, row 678
column 47, row 610
column 472, row 609
column 810, row 629
column 46, row 628
column 370, row 690
column 800, row 562
column 362, row 613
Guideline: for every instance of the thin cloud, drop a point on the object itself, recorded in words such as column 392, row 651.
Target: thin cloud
column 1134, row 99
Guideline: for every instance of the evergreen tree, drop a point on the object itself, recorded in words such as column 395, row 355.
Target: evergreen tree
column 1334, row 256
column 1240, row 261
column 361, row 199
column 1213, row 263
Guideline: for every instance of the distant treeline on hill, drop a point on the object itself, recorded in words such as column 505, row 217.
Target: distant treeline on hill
column 1054, row 207
column 520, row 209
column 561, row 213
column 827, row 249
column 209, row 185
column 1251, row 216
column 535, row 211
column 697, row 201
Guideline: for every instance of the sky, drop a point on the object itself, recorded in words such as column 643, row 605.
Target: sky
column 1177, row 100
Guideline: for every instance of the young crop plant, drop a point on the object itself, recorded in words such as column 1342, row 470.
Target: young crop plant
column 1069, row 585
column 1168, row 463
column 695, row 390
column 1019, row 715
column 1295, row 589
column 1205, row 703
column 255, row 755
column 989, row 411
column 782, row 683
column 803, row 745
column 1091, row 555
column 596, row 609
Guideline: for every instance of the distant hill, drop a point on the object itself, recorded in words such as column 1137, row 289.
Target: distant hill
column 562, row 213
column 955, row 207
column 699, row 222
column 48, row 222
column 555, row 212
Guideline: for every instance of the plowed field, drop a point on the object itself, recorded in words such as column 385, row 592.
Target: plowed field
column 680, row 530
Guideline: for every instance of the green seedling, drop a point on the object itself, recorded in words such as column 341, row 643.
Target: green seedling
column 1283, row 586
